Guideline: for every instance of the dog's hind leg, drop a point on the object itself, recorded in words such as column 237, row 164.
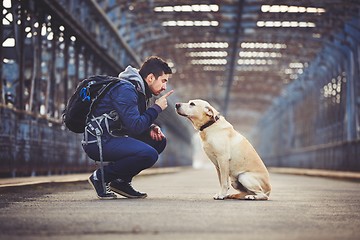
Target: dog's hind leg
column 257, row 196
column 240, row 195
column 238, row 186
column 253, row 187
column 248, row 196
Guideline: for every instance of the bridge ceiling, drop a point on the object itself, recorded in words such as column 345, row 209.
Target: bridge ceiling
column 237, row 54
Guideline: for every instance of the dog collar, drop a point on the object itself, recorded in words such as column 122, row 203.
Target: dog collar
column 209, row 123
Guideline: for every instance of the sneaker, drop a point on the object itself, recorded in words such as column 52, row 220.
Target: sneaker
column 125, row 189
column 97, row 185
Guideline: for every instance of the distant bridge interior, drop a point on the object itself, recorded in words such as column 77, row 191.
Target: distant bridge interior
column 284, row 73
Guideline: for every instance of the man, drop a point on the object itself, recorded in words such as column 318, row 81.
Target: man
column 130, row 142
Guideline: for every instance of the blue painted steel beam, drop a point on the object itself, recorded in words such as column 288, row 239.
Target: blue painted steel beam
column 106, row 42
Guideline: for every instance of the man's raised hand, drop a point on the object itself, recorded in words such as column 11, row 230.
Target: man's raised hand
column 162, row 101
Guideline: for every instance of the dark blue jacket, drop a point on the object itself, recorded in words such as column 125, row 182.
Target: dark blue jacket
column 129, row 99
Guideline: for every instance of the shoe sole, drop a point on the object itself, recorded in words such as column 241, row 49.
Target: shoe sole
column 124, row 194
column 99, row 197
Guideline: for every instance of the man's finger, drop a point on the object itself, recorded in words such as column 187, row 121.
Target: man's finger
column 168, row 94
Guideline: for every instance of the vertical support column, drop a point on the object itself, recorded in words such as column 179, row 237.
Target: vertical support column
column 357, row 87
column 86, row 63
column 77, row 51
column 66, row 66
column 350, row 100
column 233, row 56
column 33, row 69
column 352, row 35
column 37, row 78
column 2, row 93
column 52, row 97
column 21, row 43
column 291, row 133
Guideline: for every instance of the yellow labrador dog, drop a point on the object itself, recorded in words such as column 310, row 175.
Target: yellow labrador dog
column 231, row 153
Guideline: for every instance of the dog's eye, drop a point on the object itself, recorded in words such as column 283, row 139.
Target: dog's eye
column 192, row 104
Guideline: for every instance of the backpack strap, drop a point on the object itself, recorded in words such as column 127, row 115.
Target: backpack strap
column 97, row 131
column 94, row 126
column 101, row 92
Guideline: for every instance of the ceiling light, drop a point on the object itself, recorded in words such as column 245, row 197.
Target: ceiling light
column 190, row 23
column 209, row 62
column 263, row 45
column 7, row 3
column 189, row 8
column 8, row 61
column 8, row 19
column 293, row 76
column 170, row 63
column 10, row 42
column 251, row 68
column 213, row 68
column 296, row 65
column 43, row 30
column 207, row 54
column 247, row 54
column 255, row 62
column 291, row 9
column 285, row 24
column 203, row 45
column 50, row 36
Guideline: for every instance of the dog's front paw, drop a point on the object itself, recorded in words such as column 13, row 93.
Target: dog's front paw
column 219, row 196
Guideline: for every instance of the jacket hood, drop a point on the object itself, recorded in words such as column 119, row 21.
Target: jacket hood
column 131, row 73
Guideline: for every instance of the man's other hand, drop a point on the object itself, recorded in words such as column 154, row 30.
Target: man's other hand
column 156, row 133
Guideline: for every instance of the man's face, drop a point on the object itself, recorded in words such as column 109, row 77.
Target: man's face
column 157, row 85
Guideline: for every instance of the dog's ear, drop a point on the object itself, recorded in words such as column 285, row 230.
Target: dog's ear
column 209, row 111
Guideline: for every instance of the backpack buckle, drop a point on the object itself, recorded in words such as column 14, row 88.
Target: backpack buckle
column 94, row 128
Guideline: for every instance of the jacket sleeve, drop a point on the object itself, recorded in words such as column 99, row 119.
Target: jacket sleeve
column 125, row 101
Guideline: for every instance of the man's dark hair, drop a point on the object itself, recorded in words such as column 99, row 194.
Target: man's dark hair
column 156, row 66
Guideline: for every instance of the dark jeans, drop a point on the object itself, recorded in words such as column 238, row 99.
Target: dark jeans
column 127, row 156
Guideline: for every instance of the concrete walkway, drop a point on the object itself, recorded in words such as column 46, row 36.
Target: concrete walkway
column 180, row 206
column 22, row 181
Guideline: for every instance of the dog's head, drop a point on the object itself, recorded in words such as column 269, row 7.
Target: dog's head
column 199, row 112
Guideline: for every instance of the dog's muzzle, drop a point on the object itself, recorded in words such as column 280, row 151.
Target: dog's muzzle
column 178, row 106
